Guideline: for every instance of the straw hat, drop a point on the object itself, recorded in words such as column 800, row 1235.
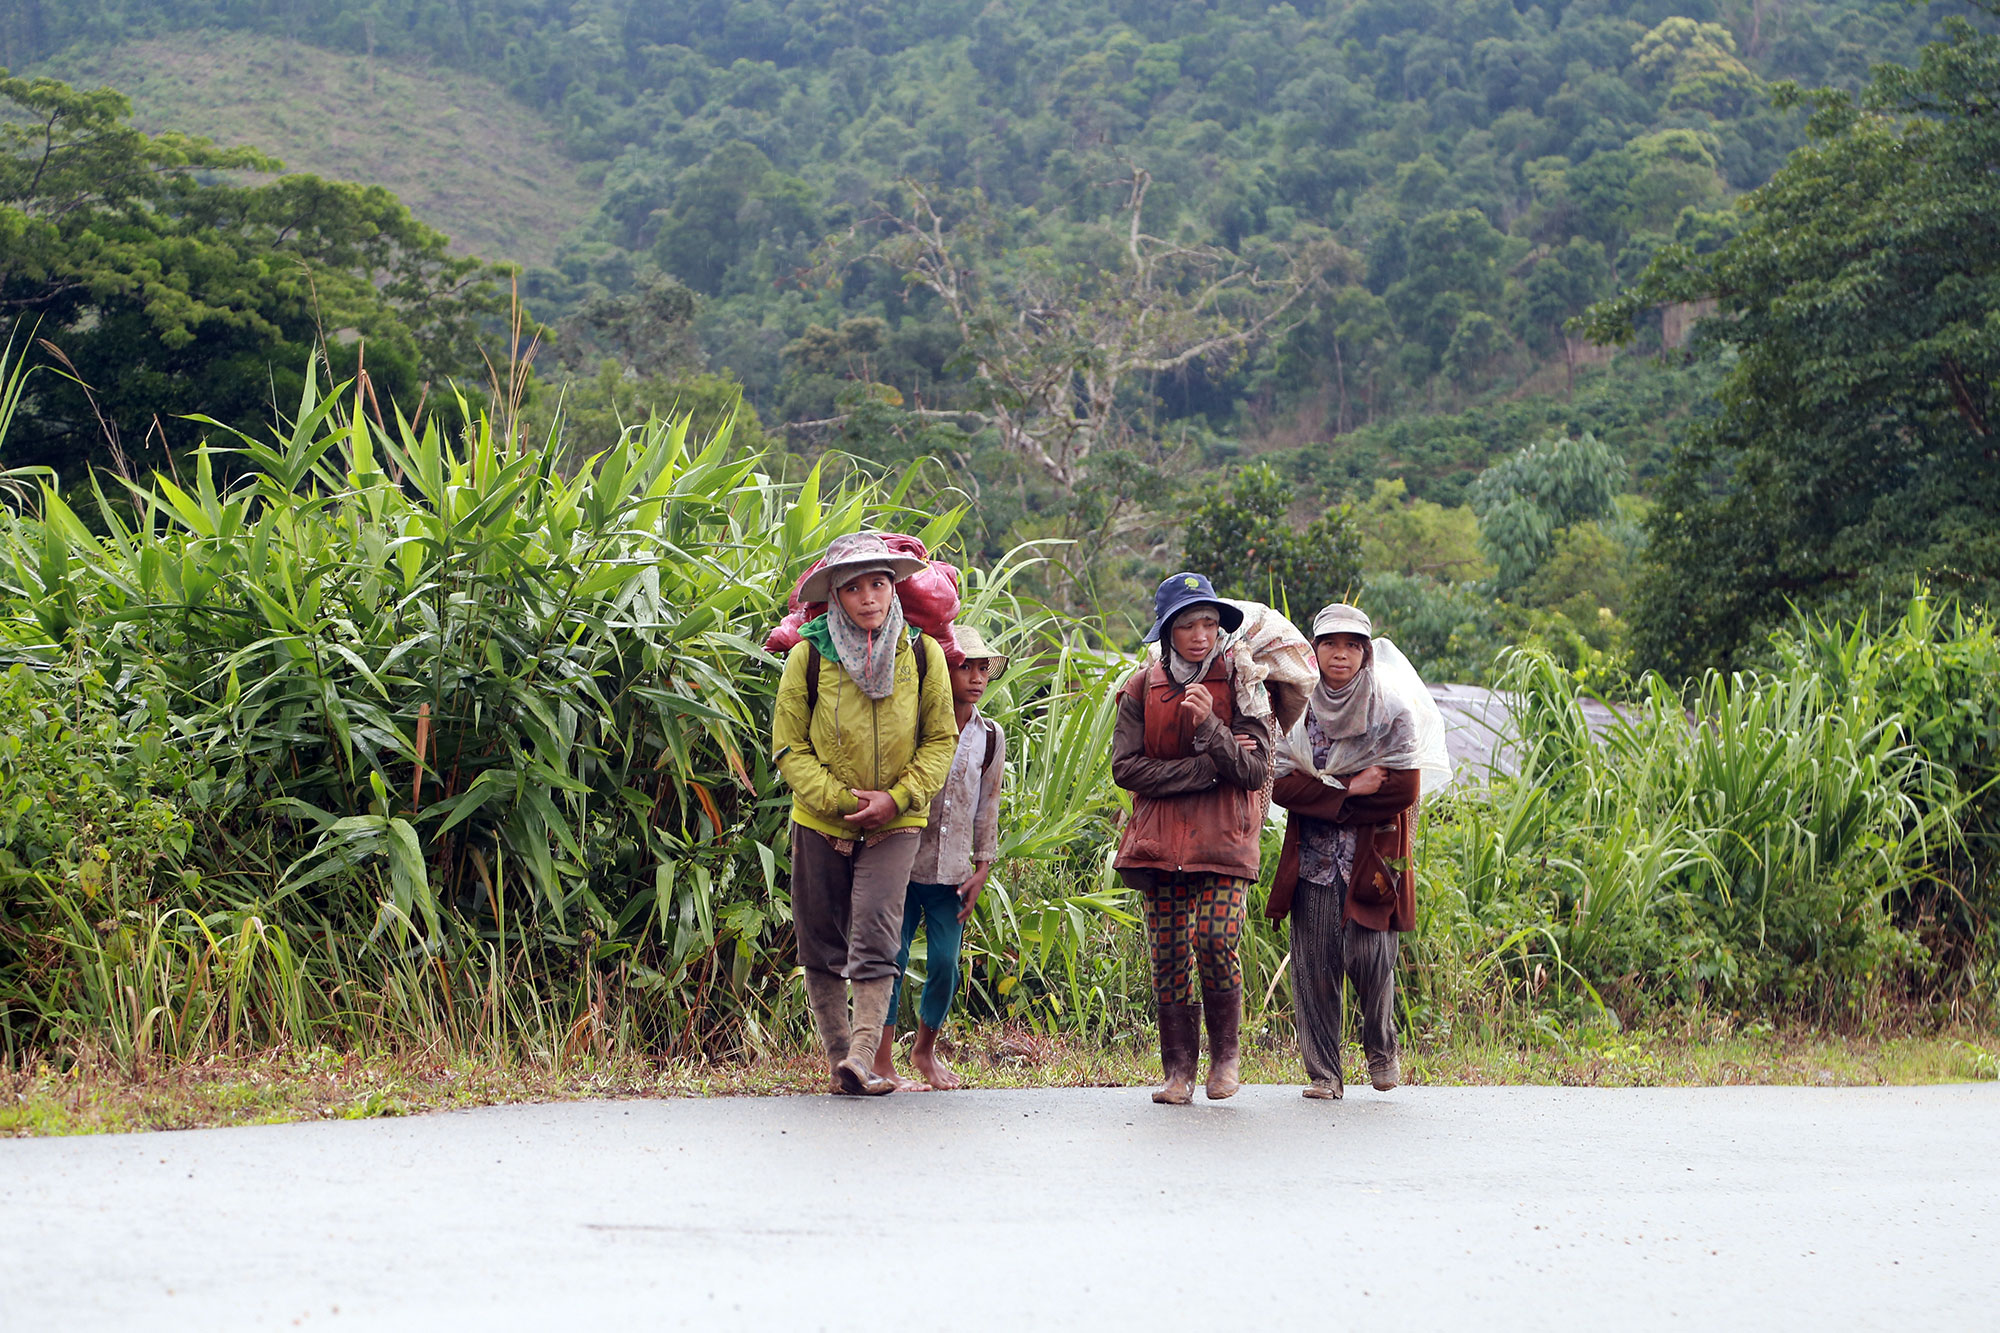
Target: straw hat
column 856, row 553
column 973, row 644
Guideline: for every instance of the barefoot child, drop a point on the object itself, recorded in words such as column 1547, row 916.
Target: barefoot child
column 954, row 855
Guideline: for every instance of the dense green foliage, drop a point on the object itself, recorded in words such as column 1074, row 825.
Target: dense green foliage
column 162, row 290
column 1757, row 858
column 1854, row 445
column 429, row 719
column 450, row 728
column 1493, row 167
column 404, row 739
column 1241, row 533
column 1465, row 180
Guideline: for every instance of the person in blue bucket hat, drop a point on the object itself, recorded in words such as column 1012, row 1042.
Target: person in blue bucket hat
column 1196, row 769
column 1180, row 591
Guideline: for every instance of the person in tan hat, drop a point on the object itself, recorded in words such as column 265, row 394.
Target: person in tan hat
column 1348, row 775
column 862, row 733
column 954, row 857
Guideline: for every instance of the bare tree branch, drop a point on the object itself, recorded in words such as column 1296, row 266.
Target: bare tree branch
column 1053, row 353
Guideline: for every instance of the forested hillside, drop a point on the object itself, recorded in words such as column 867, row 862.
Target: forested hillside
column 406, row 692
column 466, row 157
column 1400, row 206
column 734, row 136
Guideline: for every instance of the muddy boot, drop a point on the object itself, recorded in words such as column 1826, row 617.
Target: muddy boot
column 1384, row 1071
column 1180, row 1041
column 857, row 1072
column 1324, row 1089
column 1225, row 1030
column 827, row 994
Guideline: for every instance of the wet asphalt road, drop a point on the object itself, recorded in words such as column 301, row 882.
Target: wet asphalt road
column 1424, row 1208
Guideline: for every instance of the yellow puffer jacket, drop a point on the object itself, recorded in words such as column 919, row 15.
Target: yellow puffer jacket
column 853, row 743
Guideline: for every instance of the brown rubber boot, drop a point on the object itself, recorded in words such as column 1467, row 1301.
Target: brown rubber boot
column 1384, row 1071
column 1180, row 1041
column 1225, row 1031
column 827, row 994
column 857, row 1072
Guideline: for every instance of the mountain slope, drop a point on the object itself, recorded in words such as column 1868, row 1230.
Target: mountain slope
column 464, row 156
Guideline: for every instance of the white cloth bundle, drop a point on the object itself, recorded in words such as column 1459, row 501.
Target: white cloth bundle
column 1271, row 652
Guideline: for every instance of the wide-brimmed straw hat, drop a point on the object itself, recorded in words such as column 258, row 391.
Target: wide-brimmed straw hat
column 971, row 643
column 1177, row 592
column 856, row 553
column 1340, row 618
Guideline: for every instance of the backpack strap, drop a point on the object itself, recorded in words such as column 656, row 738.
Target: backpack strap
column 923, row 648
column 812, row 680
column 992, row 745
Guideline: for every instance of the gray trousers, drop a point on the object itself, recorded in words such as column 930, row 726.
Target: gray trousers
column 1326, row 951
column 847, row 911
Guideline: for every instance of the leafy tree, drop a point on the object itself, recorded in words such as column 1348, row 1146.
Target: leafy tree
column 1525, row 501
column 1561, row 286
column 1241, row 537
column 1451, row 631
column 1404, row 536
column 1475, row 344
column 1344, row 345
column 725, row 209
column 1697, row 65
column 649, row 329
column 165, row 293
column 1454, row 266
column 1853, row 447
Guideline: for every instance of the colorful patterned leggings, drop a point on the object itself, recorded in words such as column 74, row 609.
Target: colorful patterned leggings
column 1196, row 923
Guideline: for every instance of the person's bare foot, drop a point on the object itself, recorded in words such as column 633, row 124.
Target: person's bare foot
column 885, row 1063
column 885, row 1052
column 923, row 1054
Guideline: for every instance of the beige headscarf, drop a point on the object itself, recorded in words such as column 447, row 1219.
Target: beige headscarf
column 1359, row 718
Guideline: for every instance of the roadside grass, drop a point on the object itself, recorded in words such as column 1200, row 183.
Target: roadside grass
column 466, row 158
column 98, row 1097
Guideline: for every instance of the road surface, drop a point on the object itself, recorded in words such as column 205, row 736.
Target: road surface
column 1423, row 1208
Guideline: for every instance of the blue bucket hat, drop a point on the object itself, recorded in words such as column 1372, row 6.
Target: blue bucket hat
column 1180, row 591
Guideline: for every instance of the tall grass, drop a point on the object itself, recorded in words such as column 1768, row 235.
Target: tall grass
column 1740, row 845
column 462, row 750
column 375, row 735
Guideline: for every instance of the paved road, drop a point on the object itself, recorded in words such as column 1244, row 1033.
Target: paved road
column 1481, row 1207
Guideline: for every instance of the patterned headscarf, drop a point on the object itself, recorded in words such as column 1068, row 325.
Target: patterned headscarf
column 868, row 655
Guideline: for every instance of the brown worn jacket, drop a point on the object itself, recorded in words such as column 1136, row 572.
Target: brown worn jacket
column 1197, row 796
column 1380, row 898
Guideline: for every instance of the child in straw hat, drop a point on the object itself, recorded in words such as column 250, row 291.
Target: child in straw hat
column 955, row 854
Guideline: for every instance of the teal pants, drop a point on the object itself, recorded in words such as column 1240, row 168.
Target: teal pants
column 935, row 908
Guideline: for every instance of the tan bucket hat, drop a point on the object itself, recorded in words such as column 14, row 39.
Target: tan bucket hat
column 1340, row 618
column 855, row 553
column 971, row 643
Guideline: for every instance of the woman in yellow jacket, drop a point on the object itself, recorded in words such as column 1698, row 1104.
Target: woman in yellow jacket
column 864, row 736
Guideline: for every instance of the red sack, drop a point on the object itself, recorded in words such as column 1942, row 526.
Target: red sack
column 930, row 601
